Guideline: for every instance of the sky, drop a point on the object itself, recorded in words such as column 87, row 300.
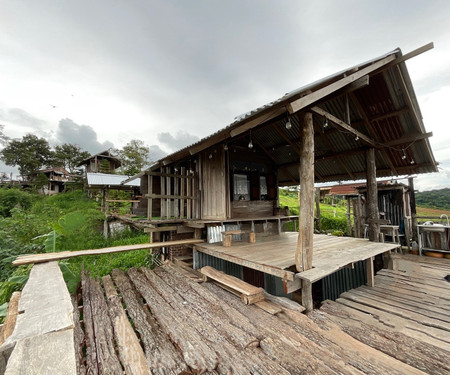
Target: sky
column 101, row 73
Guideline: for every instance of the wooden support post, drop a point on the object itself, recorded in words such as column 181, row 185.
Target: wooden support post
column 370, row 272
column 317, row 197
column 349, row 220
column 412, row 198
column 150, row 200
column 304, row 252
column 372, row 196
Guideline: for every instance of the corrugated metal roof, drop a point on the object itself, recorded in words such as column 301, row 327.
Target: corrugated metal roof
column 104, row 179
column 384, row 111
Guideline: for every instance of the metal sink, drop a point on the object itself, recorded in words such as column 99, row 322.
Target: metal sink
column 433, row 228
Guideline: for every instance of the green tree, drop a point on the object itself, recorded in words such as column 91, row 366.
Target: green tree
column 29, row 154
column 134, row 156
column 68, row 156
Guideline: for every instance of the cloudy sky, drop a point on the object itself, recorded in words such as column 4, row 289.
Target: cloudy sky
column 100, row 73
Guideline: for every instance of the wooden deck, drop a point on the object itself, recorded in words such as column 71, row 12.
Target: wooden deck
column 406, row 314
column 275, row 254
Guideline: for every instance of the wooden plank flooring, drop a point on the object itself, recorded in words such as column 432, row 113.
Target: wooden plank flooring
column 183, row 326
column 406, row 314
column 275, row 254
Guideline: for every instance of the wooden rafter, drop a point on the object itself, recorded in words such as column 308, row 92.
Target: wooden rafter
column 408, row 139
column 294, row 147
column 274, row 160
column 319, row 94
column 344, row 126
column 339, row 158
column 369, row 125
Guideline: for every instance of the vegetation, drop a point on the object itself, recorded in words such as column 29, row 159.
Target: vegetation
column 29, row 154
column 68, row 156
column 69, row 221
column 333, row 217
column 434, row 199
column 134, row 156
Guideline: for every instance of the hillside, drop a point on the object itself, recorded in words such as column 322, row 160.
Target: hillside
column 439, row 199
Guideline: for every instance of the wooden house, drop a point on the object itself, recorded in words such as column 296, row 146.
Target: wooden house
column 396, row 206
column 56, row 179
column 363, row 122
column 103, row 162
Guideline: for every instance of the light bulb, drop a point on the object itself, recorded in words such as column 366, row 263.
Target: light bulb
column 412, row 161
column 225, row 147
column 325, row 125
column 250, row 144
column 288, row 124
column 210, row 156
column 356, row 138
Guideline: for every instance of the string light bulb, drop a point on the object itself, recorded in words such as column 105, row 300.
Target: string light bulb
column 412, row 161
column 356, row 138
column 288, row 124
column 250, row 144
column 225, row 147
column 404, row 155
column 325, row 124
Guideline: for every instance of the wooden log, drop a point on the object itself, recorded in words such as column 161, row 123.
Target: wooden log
column 230, row 358
column 47, row 257
column 304, row 252
column 130, row 351
column 282, row 342
column 78, row 338
column 208, row 312
column 88, row 323
column 11, row 317
column 270, row 307
column 372, row 195
column 365, row 328
column 196, row 353
column 107, row 359
column 162, row 356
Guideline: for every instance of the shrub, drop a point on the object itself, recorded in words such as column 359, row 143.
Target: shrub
column 11, row 198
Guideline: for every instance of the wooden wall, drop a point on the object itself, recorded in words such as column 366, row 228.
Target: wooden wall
column 214, row 187
column 249, row 209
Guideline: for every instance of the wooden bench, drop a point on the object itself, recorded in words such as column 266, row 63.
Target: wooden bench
column 248, row 293
column 228, row 234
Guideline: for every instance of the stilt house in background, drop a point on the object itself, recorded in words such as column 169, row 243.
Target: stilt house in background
column 395, row 206
column 103, row 162
column 363, row 122
column 56, row 179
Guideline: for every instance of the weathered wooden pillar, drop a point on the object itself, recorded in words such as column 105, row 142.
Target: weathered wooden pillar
column 349, row 220
column 372, row 196
column 304, row 252
column 318, row 209
column 412, row 200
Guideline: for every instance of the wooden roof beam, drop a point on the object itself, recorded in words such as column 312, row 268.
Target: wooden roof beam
column 274, row 160
column 344, row 126
column 332, row 88
column 319, row 94
column 409, row 139
column 332, row 148
column 369, row 126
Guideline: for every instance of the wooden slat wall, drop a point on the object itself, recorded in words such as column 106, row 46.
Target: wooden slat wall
column 175, row 196
column 213, row 184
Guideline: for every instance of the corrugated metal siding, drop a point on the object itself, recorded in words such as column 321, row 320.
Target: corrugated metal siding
column 214, row 233
column 343, row 280
column 220, row 264
column 272, row 284
column 109, row 179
